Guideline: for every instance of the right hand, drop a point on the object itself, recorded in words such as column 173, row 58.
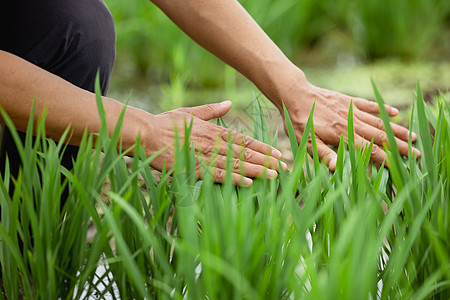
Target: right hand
column 251, row 158
column 331, row 118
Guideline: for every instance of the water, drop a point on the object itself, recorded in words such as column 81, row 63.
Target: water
column 102, row 280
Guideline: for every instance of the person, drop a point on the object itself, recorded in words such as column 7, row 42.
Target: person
column 50, row 50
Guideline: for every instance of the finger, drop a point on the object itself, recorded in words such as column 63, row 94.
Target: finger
column 251, row 156
column 373, row 108
column 377, row 154
column 325, row 153
column 380, row 138
column 399, row 131
column 245, row 154
column 248, row 142
column 219, row 176
column 205, row 143
column 242, row 167
column 209, row 111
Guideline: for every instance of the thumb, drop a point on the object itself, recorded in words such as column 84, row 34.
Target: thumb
column 209, row 111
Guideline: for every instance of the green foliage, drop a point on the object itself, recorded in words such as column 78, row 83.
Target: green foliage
column 359, row 232
column 149, row 42
column 402, row 28
column 155, row 47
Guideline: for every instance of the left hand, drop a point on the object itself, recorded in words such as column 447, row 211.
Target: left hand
column 251, row 158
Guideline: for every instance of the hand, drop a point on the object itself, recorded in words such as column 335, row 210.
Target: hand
column 330, row 122
column 230, row 33
column 251, row 157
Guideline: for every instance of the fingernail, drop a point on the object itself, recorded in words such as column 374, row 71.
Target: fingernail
column 225, row 103
column 247, row 181
column 413, row 135
column 332, row 163
column 418, row 154
column 394, row 111
column 276, row 153
column 284, row 165
column 271, row 174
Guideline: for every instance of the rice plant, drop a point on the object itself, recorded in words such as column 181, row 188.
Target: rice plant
column 360, row 232
column 407, row 29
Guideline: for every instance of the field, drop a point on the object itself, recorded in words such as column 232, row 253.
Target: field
column 360, row 232
column 338, row 44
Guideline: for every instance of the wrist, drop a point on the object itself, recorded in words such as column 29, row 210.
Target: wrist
column 291, row 88
column 281, row 80
column 136, row 124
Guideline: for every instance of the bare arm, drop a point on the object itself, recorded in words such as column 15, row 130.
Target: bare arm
column 21, row 82
column 224, row 28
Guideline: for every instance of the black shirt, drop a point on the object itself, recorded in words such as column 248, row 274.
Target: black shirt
column 72, row 39
column 69, row 38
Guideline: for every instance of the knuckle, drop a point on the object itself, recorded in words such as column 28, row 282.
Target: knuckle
column 209, row 109
column 248, row 141
column 237, row 138
column 208, row 148
column 380, row 124
column 382, row 136
column 342, row 112
column 248, row 154
column 236, row 164
column 203, row 135
column 240, row 139
column 220, row 174
column 376, row 150
column 225, row 134
column 337, row 127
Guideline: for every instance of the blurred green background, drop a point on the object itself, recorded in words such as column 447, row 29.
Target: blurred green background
column 340, row 44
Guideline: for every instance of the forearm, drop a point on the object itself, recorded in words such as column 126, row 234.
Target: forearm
column 228, row 31
column 21, row 82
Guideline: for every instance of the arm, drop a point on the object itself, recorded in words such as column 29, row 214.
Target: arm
column 228, row 31
column 21, row 82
